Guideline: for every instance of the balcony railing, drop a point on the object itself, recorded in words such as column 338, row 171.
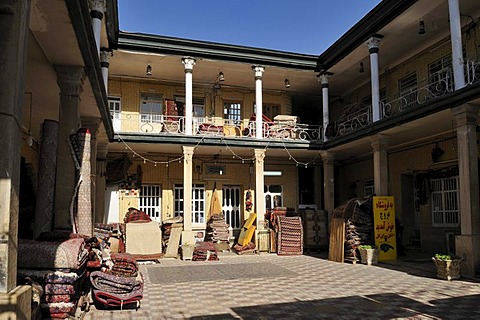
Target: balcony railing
column 211, row 126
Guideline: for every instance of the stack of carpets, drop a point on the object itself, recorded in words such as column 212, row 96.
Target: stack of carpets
column 59, row 268
column 289, row 235
column 217, row 231
column 358, row 215
column 205, row 251
column 120, row 285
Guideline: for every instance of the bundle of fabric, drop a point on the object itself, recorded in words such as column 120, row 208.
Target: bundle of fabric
column 70, row 254
column 123, row 265
column 116, row 291
column 133, row 214
column 217, row 229
column 205, row 251
column 289, row 235
column 358, row 225
column 246, row 249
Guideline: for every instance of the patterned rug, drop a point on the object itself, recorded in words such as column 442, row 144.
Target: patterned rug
column 290, row 235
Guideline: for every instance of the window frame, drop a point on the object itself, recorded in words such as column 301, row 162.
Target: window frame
column 447, row 198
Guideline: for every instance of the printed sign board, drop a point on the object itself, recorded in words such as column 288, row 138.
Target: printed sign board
column 384, row 227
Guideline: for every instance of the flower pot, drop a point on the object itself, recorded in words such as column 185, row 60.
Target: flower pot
column 447, row 269
column 368, row 256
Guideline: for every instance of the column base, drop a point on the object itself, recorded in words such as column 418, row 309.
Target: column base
column 16, row 304
column 468, row 248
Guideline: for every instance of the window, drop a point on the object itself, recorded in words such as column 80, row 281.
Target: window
column 232, row 113
column 151, row 108
column 198, row 202
column 115, row 107
column 270, row 110
column 408, row 90
column 231, row 206
column 445, row 210
column 440, row 77
column 273, row 196
column 150, row 201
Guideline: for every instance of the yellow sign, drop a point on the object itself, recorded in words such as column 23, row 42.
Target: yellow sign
column 384, row 227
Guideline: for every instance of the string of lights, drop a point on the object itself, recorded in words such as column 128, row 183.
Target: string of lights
column 233, row 153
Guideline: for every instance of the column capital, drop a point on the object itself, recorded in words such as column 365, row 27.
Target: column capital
column 105, row 55
column 328, row 158
column 97, row 8
column 258, row 70
column 70, row 79
column 259, row 154
column 466, row 114
column 188, row 152
column 102, row 150
column 324, row 76
column 374, row 42
column 379, row 142
column 188, row 62
column 92, row 124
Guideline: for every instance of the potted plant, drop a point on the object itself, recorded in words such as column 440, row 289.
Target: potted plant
column 448, row 266
column 368, row 254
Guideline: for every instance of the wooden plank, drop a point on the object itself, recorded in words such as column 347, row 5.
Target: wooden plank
column 173, row 243
column 337, row 240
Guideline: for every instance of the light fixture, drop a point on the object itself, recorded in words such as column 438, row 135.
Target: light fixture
column 149, row 70
column 421, row 27
column 287, row 83
column 273, row 173
column 221, row 76
column 361, row 69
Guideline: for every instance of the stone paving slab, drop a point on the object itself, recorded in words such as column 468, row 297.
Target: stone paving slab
column 313, row 289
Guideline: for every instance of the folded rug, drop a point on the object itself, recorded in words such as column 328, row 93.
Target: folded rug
column 115, row 284
column 115, row 299
column 123, row 265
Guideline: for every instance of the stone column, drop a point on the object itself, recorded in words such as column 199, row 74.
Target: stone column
column 92, row 124
column 456, row 39
column 187, row 187
column 70, row 80
column 100, row 182
column 323, row 78
column 189, row 63
column 105, row 55
column 15, row 16
column 373, row 44
column 468, row 243
column 258, row 70
column 97, row 9
column 259, row 188
column 328, row 182
column 380, row 164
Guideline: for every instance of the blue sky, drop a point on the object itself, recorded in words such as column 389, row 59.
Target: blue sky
column 301, row 26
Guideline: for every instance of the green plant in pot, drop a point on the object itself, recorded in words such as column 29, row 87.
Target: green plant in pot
column 368, row 254
column 448, row 266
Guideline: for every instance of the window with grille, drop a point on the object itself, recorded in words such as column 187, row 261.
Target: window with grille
column 445, row 210
column 232, row 113
column 408, row 90
column 115, row 106
column 198, row 202
column 151, row 108
column 440, row 75
column 273, row 196
column 231, row 201
column 150, row 201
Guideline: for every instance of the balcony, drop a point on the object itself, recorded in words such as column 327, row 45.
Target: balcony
column 283, row 127
column 357, row 116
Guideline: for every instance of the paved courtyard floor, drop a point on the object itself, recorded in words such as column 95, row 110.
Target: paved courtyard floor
column 269, row 286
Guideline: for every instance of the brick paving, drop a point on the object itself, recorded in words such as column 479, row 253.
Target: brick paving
column 268, row 286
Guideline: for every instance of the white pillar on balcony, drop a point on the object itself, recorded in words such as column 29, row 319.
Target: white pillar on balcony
column 456, row 39
column 373, row 44
column 189, row 63
column 187, row 187
column 258, row 70
column 97, row 9
column 323, row 78
column 104, row 57
column 380, row 164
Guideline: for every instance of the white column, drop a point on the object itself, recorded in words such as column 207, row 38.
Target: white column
column 380, row 164
column 259, row 185
column 323, row 78
column 258, row 101
column 456, row 38
column 97, row 8
column 187, row 187
column 189, row 63
column 373, row 44
column 104, row 57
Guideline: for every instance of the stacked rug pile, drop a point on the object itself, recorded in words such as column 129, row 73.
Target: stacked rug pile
column 217, row 232
column 289, row 235
column 205, row 251
column 121, row 285
column 56, row 270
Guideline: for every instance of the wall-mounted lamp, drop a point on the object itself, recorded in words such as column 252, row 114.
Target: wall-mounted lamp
column 361, row 69
column 149, row 70
column 221, row 76
column 421, row 27
column 287, row 83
